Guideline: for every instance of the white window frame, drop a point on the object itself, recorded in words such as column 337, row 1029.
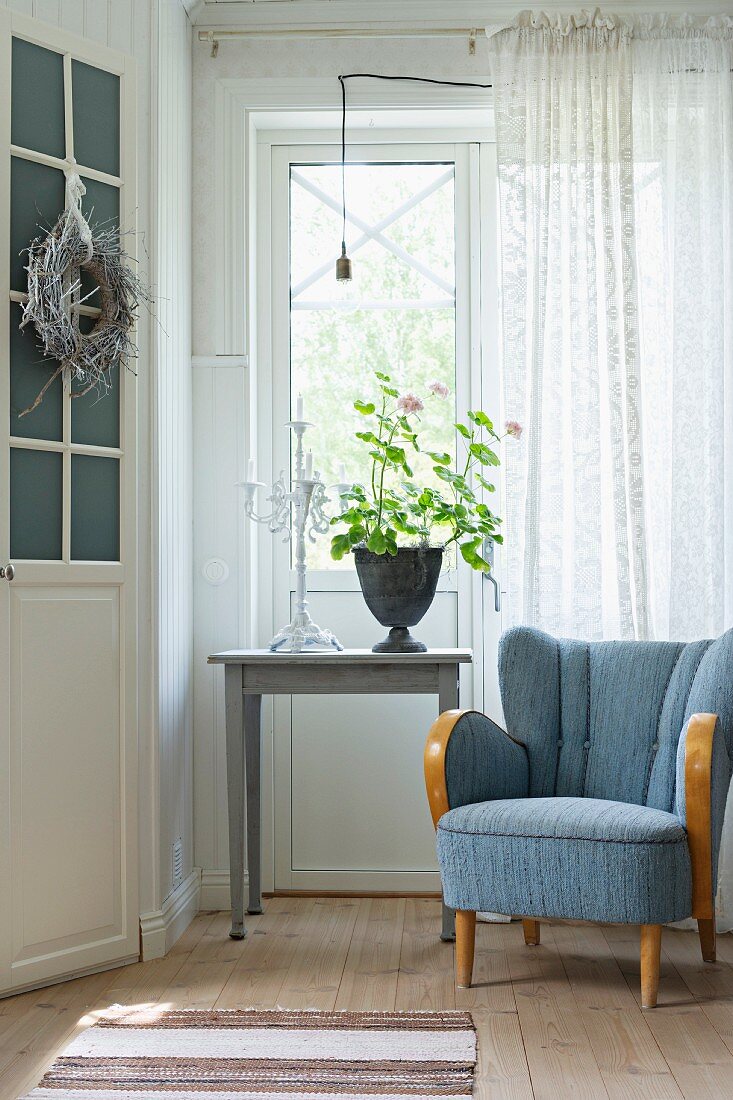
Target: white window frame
column 250, row 115
column 274, row 318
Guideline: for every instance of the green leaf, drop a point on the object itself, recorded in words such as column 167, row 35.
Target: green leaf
column 340, row 545
column 481, row 418
column 366, row 408
column 441, row 457
column 367, row 437
column 396, row 454
column 447, row 475
column 486, row 484
column 391, row 541
column 377, row 542
column 470, row 554
column 463, row 431
column 382, row 376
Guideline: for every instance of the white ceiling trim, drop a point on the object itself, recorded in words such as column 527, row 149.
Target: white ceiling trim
column 386, row 15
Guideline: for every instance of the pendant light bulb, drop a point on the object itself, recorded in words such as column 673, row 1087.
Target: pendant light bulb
column 343, row 266
column 343, row 263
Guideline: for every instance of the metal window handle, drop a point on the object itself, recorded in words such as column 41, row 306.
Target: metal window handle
column 489, row 556
column 7, row 571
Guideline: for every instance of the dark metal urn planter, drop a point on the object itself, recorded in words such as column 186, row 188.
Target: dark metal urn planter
column 398, row 591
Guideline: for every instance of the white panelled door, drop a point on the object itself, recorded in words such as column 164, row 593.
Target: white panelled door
column 68, row 761
column 349, row 807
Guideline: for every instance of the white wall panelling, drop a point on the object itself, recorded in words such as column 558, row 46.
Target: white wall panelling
column 173, row 531
column 220, row 410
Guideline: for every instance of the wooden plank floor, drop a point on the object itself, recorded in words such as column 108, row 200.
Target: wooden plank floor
column 556, row 1021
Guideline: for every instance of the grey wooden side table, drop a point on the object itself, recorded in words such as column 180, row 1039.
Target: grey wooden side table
column 251, row 673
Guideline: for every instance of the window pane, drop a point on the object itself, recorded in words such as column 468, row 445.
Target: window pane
column 96, row 110
column 397, row 316
column 29, row 372
column 95, row 508
column 35, row 504
column 95, row 418
column 37, row 112
column 37, row 197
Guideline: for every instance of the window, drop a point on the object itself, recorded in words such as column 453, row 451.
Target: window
column 397, row 316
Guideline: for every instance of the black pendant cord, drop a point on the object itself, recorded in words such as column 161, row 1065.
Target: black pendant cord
column 380, row 76
column 342, row 79
column 413, row 79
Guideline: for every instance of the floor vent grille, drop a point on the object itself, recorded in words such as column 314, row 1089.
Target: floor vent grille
column 177, row 862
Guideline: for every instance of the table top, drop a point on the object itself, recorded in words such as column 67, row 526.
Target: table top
column 345, row 657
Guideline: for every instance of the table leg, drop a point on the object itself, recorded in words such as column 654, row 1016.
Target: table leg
column 448, row 700
column 252, row 751
column 234, row 705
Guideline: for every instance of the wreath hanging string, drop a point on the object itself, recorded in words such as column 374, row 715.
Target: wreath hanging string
column 54, row 270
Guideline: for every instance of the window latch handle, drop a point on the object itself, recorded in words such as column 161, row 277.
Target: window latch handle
column 489, row 557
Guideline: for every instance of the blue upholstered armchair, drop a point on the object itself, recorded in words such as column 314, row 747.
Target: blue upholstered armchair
column 604, row 800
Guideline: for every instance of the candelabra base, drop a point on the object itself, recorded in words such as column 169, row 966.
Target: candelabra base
column 303, row 635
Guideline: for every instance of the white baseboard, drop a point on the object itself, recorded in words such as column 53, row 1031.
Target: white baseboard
column 215, row 895
column 160, row 929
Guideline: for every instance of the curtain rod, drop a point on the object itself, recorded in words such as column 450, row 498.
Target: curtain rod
column 214, row 36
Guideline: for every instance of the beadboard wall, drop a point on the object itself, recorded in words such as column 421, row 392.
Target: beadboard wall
column 173, row 436
column 158, row 34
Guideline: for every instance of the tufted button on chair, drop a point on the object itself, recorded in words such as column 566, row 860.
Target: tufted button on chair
column 603, row 800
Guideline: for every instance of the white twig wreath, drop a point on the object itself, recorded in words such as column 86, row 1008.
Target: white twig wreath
column 54, row 296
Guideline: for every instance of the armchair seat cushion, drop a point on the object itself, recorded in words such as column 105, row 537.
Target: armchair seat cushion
column 580, row 858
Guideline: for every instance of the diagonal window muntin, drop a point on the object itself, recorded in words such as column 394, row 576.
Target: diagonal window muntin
column 372, row 235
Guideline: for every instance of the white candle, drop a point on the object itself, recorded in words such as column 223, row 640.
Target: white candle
column 309, row 466
column 299, row 407
column 251, row 470
column 342, row 474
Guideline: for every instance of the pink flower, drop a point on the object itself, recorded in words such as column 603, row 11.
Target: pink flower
column 513, row 427
column 410, row 403
column 439, row 389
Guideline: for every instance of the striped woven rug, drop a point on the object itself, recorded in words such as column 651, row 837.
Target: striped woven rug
column 245, row 1053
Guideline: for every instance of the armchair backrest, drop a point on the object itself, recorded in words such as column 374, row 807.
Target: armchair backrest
column 603, row 719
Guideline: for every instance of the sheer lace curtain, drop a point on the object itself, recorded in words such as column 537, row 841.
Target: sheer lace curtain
column 615, row 148
column 615, row 152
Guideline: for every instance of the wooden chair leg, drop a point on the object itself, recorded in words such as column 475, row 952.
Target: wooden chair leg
column 531, row 929
column 706, row 932
column 651, row 950
column 465, row 944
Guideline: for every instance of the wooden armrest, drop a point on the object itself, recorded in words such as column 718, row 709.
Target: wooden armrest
column 698, row 764
column 434, row 760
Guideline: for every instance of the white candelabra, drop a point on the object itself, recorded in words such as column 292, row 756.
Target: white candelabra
column 297, row 510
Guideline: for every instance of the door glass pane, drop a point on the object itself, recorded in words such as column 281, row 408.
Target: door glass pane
column 29, row 372
column 95, row 418
column 37, row 111
column 397, row 316
column 95, row 508
column 96, row 109
column 101, row 207
column 37, row 197
column 35, row 504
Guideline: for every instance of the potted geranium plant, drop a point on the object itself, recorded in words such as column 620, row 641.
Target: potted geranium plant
column 398, row 530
